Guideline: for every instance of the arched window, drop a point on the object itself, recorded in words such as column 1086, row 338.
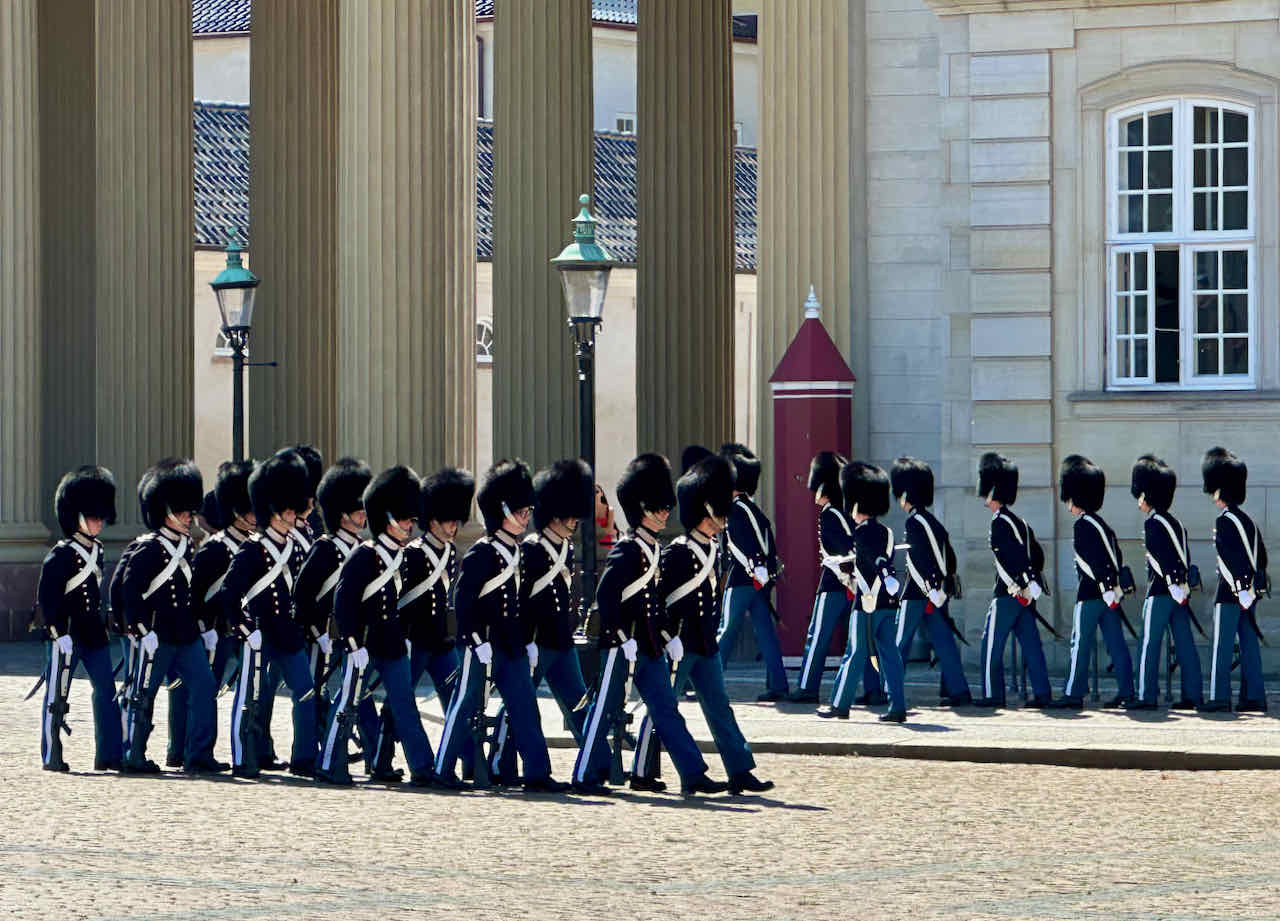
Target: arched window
column 484, row 341
column 1181, row 234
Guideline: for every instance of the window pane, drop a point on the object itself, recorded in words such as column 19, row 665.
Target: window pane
column 1235, row 356
column 1235, row 127
column 1139, row 272
column 1201, row 160
column 1206, row 122
column 1122, row 314
column 1140, row 313
column 1206, row 210
column 1140, row 357
column 1122, row 356
column 1124, row 281
column 1134, row 222
column 1201, row 219
column 1207, row 313
column 1160, row 213
column 1207, row 356
column 1133, row 170
column 1235, row 166
column 1235, row 210
column 1168, row 344
column 1207, row 271
column 1235, row 313
column 1160, row 127
column 1133, row 132
column 1235, row 269
column 1160, row 168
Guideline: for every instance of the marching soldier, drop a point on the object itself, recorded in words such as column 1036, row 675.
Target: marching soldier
column 1099, row 564
column 429, row 571
column 493, row 634
column 931, row 568
column 835, row 592
column 70, row 602
column 688, row 578
column 752, row 571
column 1242, row 579
column 866, row 498
column 227, row 509
column 340, row 498
column 157, row 598
column 310, row 525
column 1019, row 560
column 373, row 635
column 1169, row 578
column 562, row 494
column 258, row 597
column 630, row 613
column 120, row 622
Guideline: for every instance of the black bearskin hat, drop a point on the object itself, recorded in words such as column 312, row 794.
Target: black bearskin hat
column 210, row 513
column 566, row 489
column 865, row 487
column 232, row 492
column 1081, row 482
column 341, row 490
column 746, row 466
column 315, row 467
column 1224, row 475
column 1153, row 481
column 706, row 489
column 645, row 486
column 393, row 493
column 824, row 474
column 447, row 495
column 913, row 478
column 171, row 485
column 998, row 478
column 278, row 484
column 144, row 486
column 691, row 455
column 87, row 491
column 509, row 483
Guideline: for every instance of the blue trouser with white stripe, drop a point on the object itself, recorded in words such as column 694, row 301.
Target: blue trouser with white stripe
column 563, row 672
column 295, row 670
column 190, row 662
column 108, row 738
column 829, row 609
column 402, row 704
column 223, row 653
column 1005, row 616
column 742, row 601
column 592, row 764
column 350, row 706
column 1229, row 625
column 911, row 614
column 882, row 624
column 653, row 681
column 706, row 674
column 1087, row 617
column 443, row 668
column 1158, row 613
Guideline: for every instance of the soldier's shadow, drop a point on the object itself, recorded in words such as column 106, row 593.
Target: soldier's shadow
column 714, row 805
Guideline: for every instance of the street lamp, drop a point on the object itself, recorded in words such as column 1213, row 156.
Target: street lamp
column 235, row 288
column 584, row 272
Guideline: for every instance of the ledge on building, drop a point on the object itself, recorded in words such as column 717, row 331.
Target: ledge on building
column 1171, row 396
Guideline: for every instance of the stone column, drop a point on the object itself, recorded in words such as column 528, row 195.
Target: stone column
column 144, row 238
column 812, row 191
column 406, row 231
column 543, row 153
column 293, row 186
column 22, row 501
column 67, row 179
column 684, row 304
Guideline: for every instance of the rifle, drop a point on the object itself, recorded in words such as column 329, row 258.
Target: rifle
column 1124, row 619
column 480, row 728
column 1252, row 615
column 1048, row 626
column 331, row 666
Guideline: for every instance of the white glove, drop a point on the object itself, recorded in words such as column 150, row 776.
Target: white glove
column 761, row 575
column 630, row 648
column 1034, row 590
column 532, row 650
column 484, row 652
column 408, row 648
column 891, row 585
column 210, row 638
column 937, row 597
column 1246, row 598
column 150, row 643
column 360, row 658
column 325, row 644
column 675, row 649
column 254, row 640
column 64, row 644
column 1177, row 593
column 1109, row 596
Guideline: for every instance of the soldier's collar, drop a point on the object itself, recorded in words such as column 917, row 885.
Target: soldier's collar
column 237, row 536
column 431, row 540
column 700, row 537
column 342, row 534
column 388, row 541
column 505, row 537
column 645, row 534
column 276, row 536
column 84, row 540
column 169, row 533
column 551, row 537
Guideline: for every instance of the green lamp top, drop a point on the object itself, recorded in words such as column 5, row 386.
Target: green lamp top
column 235, row 275
column 584, row 248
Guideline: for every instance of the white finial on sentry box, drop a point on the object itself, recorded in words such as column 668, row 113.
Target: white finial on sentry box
column 811, row 306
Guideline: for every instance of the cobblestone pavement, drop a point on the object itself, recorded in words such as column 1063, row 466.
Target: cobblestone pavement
column 848, row 837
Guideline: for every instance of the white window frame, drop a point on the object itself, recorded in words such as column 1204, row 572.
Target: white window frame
column 624, row 116
column 1185, row 239
column 221, row 347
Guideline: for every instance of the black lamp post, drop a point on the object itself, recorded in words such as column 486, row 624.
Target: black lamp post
column 235, row 287
column 584, row 272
